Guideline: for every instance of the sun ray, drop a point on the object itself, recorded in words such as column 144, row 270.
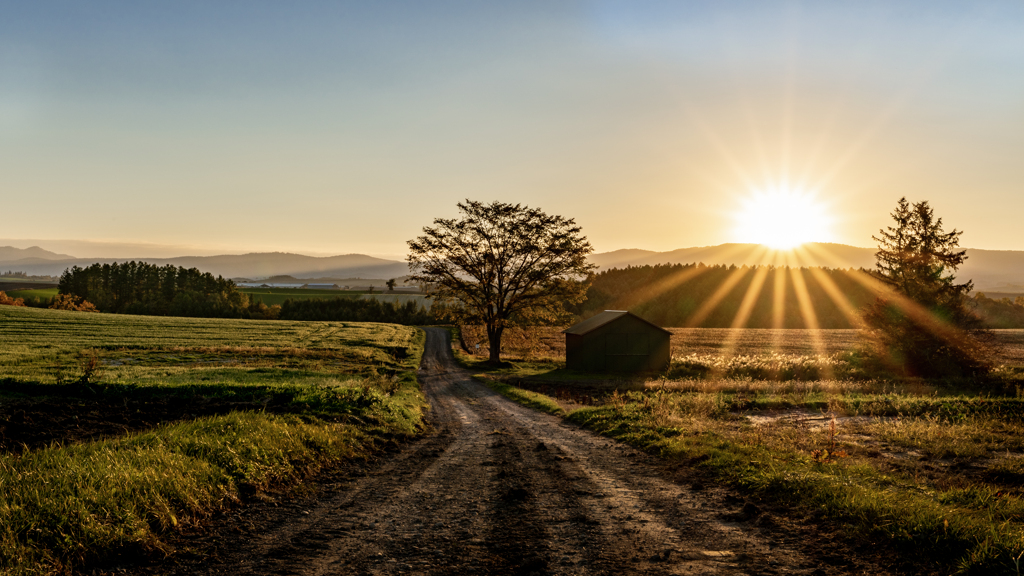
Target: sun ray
column 746, row 307
column 720, row 293
column 844, row 304
column 660, row 287
column 719, row 144
column 750, row 298
column 810, row 317
column 915, row 312
column 900, row 100
column 846, row 308
column 912, row 309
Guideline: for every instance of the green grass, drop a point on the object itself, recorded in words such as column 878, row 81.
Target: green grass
column 66, row 505
column 324, row 392
column 33, row 293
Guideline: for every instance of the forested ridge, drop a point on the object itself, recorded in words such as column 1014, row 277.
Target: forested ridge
column 684, row 295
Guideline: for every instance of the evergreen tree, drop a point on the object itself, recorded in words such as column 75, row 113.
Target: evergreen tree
column 936, row 333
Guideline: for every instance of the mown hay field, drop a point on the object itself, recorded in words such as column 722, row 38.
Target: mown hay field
column 549, row 342
column 116, row 429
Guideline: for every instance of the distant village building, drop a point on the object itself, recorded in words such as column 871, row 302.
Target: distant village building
column 616, row 341
column 322, row 286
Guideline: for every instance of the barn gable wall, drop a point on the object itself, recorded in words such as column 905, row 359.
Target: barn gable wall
column 626, row 344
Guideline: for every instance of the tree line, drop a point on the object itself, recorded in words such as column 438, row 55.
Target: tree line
column 1001, row 313
column 356, row 310
column 677, row 295
column 142, row 288
column 682, row 295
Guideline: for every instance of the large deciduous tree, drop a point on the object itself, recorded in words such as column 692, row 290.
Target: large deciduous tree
column 924, row 323
column 501, row 265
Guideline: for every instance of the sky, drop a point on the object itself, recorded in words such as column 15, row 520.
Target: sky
column 345, row 127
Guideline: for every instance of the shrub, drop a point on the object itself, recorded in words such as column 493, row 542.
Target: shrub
column 6, row 300
column 73, row 303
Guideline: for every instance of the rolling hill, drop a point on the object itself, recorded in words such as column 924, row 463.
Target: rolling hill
column 33, row 253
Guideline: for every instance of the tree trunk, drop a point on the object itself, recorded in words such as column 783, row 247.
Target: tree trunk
column 462, row 340
column 494, row 342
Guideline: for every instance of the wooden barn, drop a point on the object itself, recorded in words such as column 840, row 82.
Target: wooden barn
column 616, row 341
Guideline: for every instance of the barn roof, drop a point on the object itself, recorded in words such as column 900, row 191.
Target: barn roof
column 595, row 322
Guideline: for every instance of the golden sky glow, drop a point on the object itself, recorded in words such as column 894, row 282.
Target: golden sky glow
column 340, row 127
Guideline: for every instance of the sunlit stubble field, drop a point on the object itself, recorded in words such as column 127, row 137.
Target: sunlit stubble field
column 117, row 429
column 548, row 343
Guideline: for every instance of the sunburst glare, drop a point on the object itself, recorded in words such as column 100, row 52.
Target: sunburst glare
column 783, row 218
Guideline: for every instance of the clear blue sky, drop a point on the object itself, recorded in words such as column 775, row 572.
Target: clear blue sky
column 345, row 127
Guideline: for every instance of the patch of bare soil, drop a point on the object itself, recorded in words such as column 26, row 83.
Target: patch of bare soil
column 501, row 489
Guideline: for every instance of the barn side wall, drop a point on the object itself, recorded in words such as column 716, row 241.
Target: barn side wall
column 624, row 345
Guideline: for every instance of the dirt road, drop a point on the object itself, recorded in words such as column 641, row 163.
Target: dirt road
column 501, row 489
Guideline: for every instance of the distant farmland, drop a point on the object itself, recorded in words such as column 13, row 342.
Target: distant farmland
column 272, row 296
column 33, row 293
column 399, row 298
column 269, row 296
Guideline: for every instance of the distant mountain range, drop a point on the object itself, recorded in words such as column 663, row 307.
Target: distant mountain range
column 37, row 261
column 12, row 254
column 991, row 270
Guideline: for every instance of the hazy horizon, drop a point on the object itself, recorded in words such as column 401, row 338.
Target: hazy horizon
column 90, row 249
column 332, row 128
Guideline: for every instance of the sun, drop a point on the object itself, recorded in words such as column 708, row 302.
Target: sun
column 782, row 218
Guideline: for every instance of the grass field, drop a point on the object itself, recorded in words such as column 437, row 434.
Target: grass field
column 932, row 470
column 33, row 293
column 116, row 429
column 400, row 298
column 272, row 296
